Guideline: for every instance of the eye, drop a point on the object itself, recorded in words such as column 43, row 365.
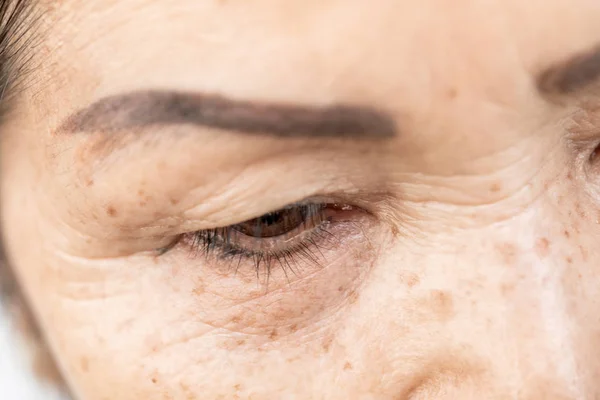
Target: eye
column 275, row 223
column 291, row 238
column 594, row 155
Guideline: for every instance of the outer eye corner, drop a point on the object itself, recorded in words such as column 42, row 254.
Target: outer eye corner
column 160, row 251
column 593, row 157
column 587, row 172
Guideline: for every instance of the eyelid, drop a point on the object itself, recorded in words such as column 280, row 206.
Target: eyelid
column 168, row 195
column 242, row 214
column 332, row 205
column 303, row 247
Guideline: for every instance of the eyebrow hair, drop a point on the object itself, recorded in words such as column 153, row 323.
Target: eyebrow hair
column 158, row 107
column 571, row 75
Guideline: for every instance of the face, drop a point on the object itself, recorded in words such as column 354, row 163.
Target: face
column 308, row 199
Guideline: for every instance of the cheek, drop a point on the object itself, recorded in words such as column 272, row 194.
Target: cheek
column 147, row 323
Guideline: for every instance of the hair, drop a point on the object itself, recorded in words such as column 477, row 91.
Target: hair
column 18, row 38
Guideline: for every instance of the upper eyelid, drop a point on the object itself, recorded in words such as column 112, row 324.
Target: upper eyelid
column 303, row 246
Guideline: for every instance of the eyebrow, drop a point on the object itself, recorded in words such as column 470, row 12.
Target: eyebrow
column 571, row 75
column 162, row 107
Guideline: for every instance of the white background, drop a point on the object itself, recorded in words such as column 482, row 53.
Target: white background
column 16, row 380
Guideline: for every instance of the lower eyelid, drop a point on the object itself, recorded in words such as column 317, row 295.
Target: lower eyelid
column 242, row 302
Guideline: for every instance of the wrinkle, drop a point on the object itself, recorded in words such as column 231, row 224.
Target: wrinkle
column 163, row 346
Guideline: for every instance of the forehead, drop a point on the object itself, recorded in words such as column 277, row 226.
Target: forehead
column 398, row 54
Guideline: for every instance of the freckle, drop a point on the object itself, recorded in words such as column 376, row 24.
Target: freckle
column 89, row 183
column 508, row 253
column 395, row 230
column 506, row 288
column 347, row 366
column 327, row 343
column 184, row 387
column 281, row 316
column 294, row 328
column 85, row 366
column 340, row 289
column 569, row 260
column 198, row 291
column 410, row 280
column 495, row 188
column 452, row 93
column 141, row 193
column 542, row 247
column 111, row 211
column 236, row 319
column 567, row 233
column 442, row 303
column 174, row 201
column 154, row 380
column 237, row 387
column 273, row 335
column 241, row 342
column 143, row 203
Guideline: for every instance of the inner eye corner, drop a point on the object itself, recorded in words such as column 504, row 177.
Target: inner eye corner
column 595, row 153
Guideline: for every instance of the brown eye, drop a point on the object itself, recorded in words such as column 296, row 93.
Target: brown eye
column 595, row 154
column 275, row 223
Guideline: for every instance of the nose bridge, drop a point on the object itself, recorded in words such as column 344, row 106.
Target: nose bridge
column 539, row 326
column 509, row 307
column 545, row 350
column 505, row 314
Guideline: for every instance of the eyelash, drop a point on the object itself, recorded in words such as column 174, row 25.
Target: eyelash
column 304, row 243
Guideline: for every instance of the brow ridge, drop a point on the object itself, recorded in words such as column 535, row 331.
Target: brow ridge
column 158, row 107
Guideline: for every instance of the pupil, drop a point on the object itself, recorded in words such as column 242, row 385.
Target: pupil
column 274, row 223
column 271, row 218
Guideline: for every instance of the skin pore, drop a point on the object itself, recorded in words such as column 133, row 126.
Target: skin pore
column 451, row 256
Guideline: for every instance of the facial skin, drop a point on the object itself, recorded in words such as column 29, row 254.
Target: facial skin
column 464, row 268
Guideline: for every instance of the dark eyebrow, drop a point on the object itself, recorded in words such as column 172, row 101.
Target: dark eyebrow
column 571, row 75
column 157, row 107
